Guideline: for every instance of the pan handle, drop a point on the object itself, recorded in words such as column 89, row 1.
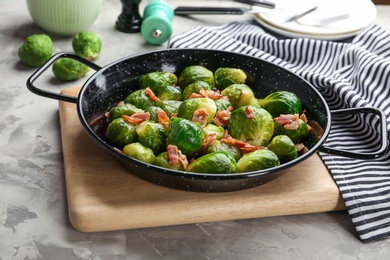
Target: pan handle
column 45, row 66
column 383, row 133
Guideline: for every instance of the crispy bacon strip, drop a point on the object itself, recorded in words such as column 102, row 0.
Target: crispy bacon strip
column 214, row 95
column 163, row 118
column 249, row 113
column 222, row 117
column 243, row 146
column 200, row 116
column 315, row 128
column 137, row 118
column 289, row 121
column 195, row 95
column 208, row 141
column 151, row 94
column 175, row 156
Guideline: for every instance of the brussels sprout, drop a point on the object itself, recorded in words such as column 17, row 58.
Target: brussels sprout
column 36, row 50
column 195, row 87
column 213, row 129
column 296, row 135
column 170, row 107
column 120, row 133
column 281, row 102
column 257, row 160
column 152, row 135
column 125, row 109
column 140, row 99
column 157, row 81
column 240, row 95
column 162, row 161
column 216, row 162
column 139, row 152
column 194, row 73
column 87, row 45
column 189, row 106
column 68, row 69
column 284, row 148
column 222, row 104
column 186, row 135
column 219, row 146
column 225, row 77
column 170, row 93
column 153, row 111
column 257, row 131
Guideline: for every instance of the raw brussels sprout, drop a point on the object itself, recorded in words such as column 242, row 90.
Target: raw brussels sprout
column 152, row 135
column 281, row 102
column 216, row 162
column 240, row 95
column 296, row 135
column 213, row 129
column 257, row 131
column 225, row 77
column 162, row 161
column 153, row 111
column 120, row 133
column 68, row 69
column 139, row 152
column 140, row 99
column 157, row 81
column 188, row 107
column 195, row 87
column 194, row 73
column 87, row 45
column 257, row 160
column 169, row 106
column 219, row 146
column 36, row 50
column 186, row 135
column 170, row 93
column 125, row 109
column 222, row 104
column 284, row 148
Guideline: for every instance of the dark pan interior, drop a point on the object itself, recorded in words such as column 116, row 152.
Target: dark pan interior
column 116, row 80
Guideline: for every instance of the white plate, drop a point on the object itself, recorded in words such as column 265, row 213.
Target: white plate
column 361, row 13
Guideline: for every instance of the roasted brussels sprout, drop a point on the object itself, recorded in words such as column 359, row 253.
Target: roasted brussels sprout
column 186, row 135
column 87, row 44
column 162, row 161
column 140, row 99
column 67, row 69
column 240, row 95
column 297, row 134
column 157, row 81
column 36, row 50
column 152, row 135
column 188, row 107
column 125, row 109
column 216, row 162
column 169, row 106
column 257, row 160
column 281, row 102
column 120, row 133
column 251, row 124
column 284, row 148
column 219, row 146
column 194, row 73
column 225, row 77
column 139, row 152
column 222, row 104
column 195, row 87
column 213, row 129
column 170, row 93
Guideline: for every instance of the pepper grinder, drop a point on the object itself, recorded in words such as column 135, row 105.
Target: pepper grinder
column 129, row 20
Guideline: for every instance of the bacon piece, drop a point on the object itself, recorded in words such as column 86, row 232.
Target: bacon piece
column 151, row 94
column 175, row 156
column 249, row 113
column 303, row 116
column 316, row 128
column 163, row 118
column 137, row 118
column 289, row 121
column 214, row 95
column 222, row 117
column 200, row 116
column 243, row 146
column 195, row 95
column 208, row 141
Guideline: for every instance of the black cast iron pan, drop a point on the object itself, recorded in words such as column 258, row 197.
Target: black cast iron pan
column 112, row 83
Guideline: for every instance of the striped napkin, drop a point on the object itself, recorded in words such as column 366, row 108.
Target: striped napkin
column 353, row 73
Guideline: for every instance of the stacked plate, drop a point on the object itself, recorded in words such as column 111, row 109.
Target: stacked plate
column 356, row 16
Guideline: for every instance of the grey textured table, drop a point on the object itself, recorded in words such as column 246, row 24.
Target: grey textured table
column 33, row 214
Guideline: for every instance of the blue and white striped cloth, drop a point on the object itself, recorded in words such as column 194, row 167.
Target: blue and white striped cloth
column 353, row 73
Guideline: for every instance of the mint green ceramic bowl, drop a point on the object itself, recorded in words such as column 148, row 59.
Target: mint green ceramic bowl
column 64, row 17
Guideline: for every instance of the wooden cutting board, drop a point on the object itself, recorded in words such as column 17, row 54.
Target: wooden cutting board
column 103, row 196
